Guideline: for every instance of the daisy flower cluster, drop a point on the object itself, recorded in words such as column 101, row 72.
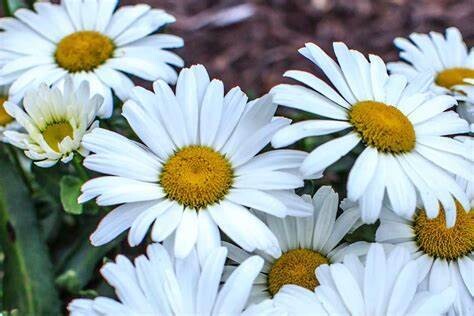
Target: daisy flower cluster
column 214, row 187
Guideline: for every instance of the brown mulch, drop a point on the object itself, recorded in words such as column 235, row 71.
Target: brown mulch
column 254, row 52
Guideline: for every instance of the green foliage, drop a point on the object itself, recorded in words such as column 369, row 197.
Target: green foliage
column 28, row 284
column 70, row 189
column 365, row 232
column 10, row 6
column 81, row 259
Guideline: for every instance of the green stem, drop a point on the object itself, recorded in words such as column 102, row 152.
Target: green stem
column 80, row 170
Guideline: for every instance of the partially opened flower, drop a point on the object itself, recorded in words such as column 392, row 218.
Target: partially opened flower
column 305, row 243
column 199, row 169
column 7, row 122
column 54, row 122
column 446, row 59
column 446, row 254
column 385, row 284
column 405, row 154
column 158, row 284
column 89, row 41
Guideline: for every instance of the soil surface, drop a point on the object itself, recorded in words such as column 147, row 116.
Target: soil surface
column 252, row 43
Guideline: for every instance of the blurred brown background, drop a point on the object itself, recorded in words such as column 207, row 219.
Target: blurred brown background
column 251, row 43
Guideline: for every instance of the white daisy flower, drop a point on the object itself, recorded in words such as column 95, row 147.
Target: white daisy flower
column 89, row 41
column 6, row 121
column 158, row 284
column 405, row 156
column 386, row 284
column 54, row 121
column 305, row 244
column 446, row 255
column 447, row 59
column 198, row 170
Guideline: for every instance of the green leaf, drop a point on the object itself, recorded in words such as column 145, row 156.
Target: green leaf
column 12, row 5
column 80, row 265
column 365, row 232
column 70, row 189
column 28, row 282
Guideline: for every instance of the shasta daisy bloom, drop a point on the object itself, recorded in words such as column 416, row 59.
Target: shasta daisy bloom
column 447, row 59
column 385, row 284
column 89, row 41
column 199, row 169
column 447, row 254
column 54, row 122
column 159, row 284
column 402, row 131
column 6, row 121
column 305, row 244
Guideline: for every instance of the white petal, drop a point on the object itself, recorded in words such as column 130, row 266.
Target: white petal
column 328, row 153
column 371, row 201
column 142, row 223
column 431, row 108
column 259, row 200
column 317, row 84
column 209, row 281
column 330, row 69
column 250, row 147
column 117, row 221
column 167, row 222
column 404, row 289
column 211, row 112
column 234, row 294
column 305, row 99
column 208, row 235
column 374, row 280
column 362, row 173
column 290, row 134
column 270, row 180
column 348, row 289
column 186, row 233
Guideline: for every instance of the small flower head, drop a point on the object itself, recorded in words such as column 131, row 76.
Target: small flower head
column 55, row 122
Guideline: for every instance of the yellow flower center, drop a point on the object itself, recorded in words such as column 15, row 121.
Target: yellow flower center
column 438, row 241
column 54, row 134
column 5, row 119
column 197, row 176
column 297, row 267
column 83, row 51
column 451, row 77
column 383, row 126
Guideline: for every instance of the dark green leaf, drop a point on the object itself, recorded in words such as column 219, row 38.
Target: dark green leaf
column 11, row 6
column 365, row 232
column 70, row 189
column 80, row 263
column 28, row 282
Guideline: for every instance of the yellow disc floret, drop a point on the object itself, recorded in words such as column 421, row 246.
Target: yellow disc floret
column 83, row 51
column 5, row 119
column 197, row 176
column 383, row 126
column 297, row 267
column 55, row 133
column 438, row 241
column 451, row 77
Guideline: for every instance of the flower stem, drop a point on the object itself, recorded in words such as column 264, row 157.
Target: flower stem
column 80, row 170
